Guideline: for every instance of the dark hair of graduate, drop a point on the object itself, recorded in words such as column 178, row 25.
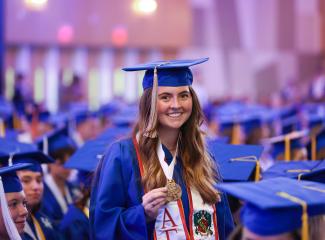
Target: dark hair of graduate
column 199, row 170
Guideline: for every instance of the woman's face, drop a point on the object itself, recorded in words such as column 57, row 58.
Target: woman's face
column 174, row 106
column 17, row 207
column 33, row 186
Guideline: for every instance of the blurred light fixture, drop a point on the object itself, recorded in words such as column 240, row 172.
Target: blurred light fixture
column 119, row 36
column 65, row 34
column 36, row 5
column 144, row 7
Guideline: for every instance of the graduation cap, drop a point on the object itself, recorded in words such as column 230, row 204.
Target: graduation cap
column 35, row 158
column 10, row 183
column 114, row 133
column 286, row 144
column 55, row 141
column 237, row 163
column 10, row 147
column 279, row 205
column 291, row 124
column 232, row 124
column 301, row 170
column 87, row 157
column 173, row 73
column 43, row 116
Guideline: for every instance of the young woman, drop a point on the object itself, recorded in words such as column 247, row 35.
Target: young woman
column 13, row 214
column 160, row 183
column 39, row 225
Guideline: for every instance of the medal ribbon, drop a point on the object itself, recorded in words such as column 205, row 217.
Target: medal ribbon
column 168, row 169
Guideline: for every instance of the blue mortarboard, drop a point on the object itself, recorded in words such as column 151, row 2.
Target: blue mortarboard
column 56, row 140
column 304, row 170
column 11, row 182
column 114, row 133
column 9, row 146
column 35, row 158
column 170, row 73
column 87, row 157
column 278, row 205
column 289, row 111
column 43, row 116
column 291, row 124
column 285, row 144
column 251, row 123
column 237, row 162
column 315, row 120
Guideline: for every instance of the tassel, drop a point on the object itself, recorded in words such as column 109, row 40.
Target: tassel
column 305, row 230
column 313, row 147
column 251, row 159
column 304, row 217
column 257, row 171
column 287, row 148
column 2, row 128
column 235, row 135
column 149, row 131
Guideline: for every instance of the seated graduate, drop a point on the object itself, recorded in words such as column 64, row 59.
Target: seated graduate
column 161, row 182
column 39, row 226
column 13, row 214
column 279, row 209
column 58, row 192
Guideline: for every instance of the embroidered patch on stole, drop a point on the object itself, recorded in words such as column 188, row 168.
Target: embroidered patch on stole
column 203, row 223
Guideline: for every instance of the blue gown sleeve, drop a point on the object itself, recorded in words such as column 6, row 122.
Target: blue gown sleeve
column 113, row 212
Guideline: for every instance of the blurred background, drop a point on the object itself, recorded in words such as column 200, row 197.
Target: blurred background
column 73, row 50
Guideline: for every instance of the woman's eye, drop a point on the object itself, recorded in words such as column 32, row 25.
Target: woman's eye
column 13, row 204
column 165, row 98
column 185, row 96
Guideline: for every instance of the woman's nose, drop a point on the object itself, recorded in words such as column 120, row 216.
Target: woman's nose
column 23, row 211
column 175, row 103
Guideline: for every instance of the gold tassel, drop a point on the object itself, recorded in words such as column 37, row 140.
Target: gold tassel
column 38, row 228
column 287, row 148
column 304, row 217
column 313, row 147
column 257, row 171
column 235, row 134
column 150, row 131
column 251, row 159
column 2, row 128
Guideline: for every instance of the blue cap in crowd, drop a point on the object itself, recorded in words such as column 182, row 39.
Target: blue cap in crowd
column 237, row 163
column 302, row 170
column 279, row 205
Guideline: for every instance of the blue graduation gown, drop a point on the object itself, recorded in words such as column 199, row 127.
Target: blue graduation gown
column 50, row 205
column 75, row 224
column 49, row 230
column 116, row 211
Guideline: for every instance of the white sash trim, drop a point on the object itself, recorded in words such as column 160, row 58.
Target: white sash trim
column 48, row 179
column 28, row 230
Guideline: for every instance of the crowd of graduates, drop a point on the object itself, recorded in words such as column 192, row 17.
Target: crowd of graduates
column 259, row 150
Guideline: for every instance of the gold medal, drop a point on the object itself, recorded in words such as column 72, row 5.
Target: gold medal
column 174, row 191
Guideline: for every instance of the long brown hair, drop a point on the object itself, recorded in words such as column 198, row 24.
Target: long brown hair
column 199, row 170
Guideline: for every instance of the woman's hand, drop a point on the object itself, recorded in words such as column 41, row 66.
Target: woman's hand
column 152, row 201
